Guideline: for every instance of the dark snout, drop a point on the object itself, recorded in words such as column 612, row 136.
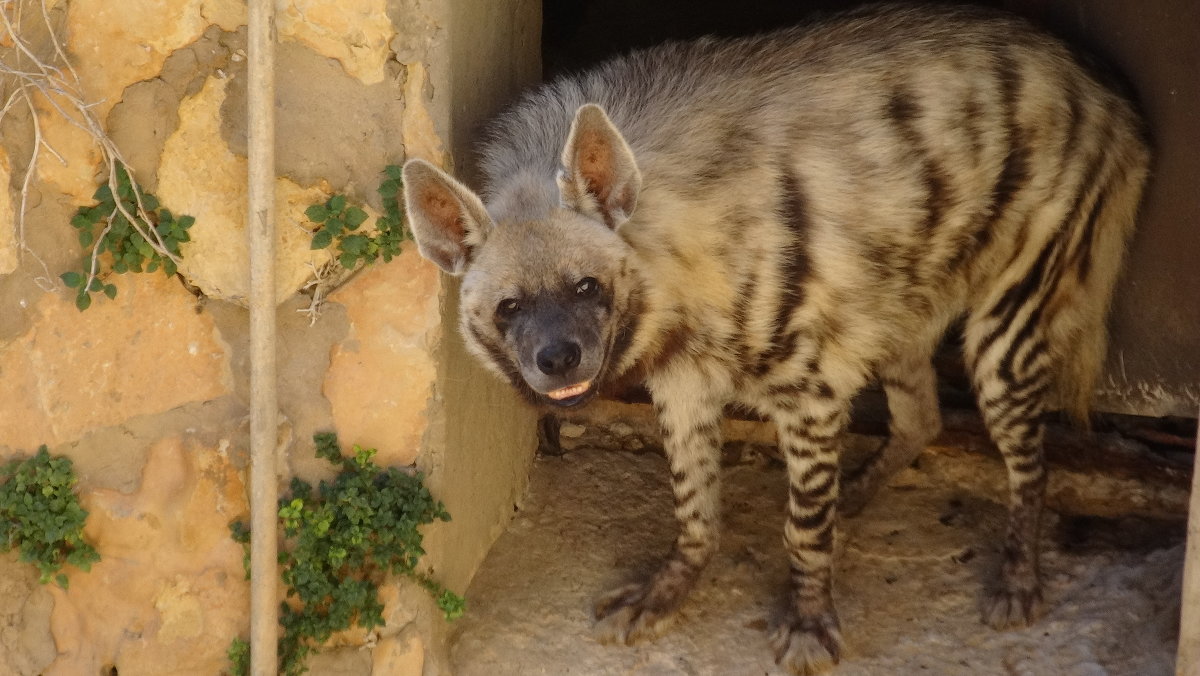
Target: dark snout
column 558, row 358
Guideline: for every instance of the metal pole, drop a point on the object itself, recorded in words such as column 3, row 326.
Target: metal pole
column 1187, row 660
column 264, row 489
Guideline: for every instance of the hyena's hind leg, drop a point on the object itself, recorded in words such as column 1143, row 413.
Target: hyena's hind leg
column 911, row 387
column 689, row 411
column 1011, row 370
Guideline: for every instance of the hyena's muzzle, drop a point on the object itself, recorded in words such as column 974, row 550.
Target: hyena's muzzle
column 558, row 338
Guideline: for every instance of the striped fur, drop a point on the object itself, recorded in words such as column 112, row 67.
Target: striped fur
column 776, row 221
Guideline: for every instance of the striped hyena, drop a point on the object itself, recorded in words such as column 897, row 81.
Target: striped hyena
column 775, row 221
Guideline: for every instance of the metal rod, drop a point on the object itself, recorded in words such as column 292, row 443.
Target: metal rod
column 260, row 227
column 1187, row 660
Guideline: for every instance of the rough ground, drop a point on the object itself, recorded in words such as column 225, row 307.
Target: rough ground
column 910, row 577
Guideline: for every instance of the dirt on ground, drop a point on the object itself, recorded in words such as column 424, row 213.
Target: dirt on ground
column 911, row 574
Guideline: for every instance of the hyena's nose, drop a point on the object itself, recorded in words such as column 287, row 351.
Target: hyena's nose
column 558, row 358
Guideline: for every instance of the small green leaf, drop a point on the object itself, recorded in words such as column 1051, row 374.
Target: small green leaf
column 354, row 243
column 388, row 189
column 149, row 202
column 337, row 203
column 169, row 267
column 103, row 194
column 83, row 301
column 348, row 260
column 317, row 213
column 334, row 226
column 355, row 217
column 186, row 221
column 394, row 171
column 322, row 239
column 80, row 220
column 62, row 580
column 72, row 279
column 110, row 290
column 143, row 247
column 96, row 285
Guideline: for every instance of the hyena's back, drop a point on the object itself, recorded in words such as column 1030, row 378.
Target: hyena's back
column 881, row 174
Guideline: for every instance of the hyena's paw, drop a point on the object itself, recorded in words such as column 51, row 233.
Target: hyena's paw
column 1013, row 606
column 808, row 645
column 636, row 612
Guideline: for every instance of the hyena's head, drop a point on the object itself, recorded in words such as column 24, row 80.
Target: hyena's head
column 548, row 301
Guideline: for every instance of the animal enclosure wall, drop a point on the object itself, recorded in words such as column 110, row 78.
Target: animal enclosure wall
column 146, row 392
column 1154, row 358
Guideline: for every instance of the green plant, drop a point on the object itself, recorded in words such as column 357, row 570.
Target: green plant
column 133, row 228
column 338, row 222
column 239, row 656
column 342, row 539
column 41, row 517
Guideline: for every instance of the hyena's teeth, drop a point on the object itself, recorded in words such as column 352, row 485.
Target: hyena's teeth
column 571, row 391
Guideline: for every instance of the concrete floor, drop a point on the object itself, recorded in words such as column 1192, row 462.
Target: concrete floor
column 909, row 581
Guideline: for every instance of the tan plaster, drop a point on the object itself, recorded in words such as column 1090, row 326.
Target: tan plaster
column 115, row 44
column 8, row 221
column 198, row 175
column 421, row 139
column 76, row 176
column 146, row 352
column 355, row 32
column 168, row 594
column 399, row 657
column 381, row 375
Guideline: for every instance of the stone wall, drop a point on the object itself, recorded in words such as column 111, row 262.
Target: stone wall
column 148, row 393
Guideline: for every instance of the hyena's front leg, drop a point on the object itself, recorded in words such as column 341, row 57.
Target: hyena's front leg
column 809, row 641
column 690, row 418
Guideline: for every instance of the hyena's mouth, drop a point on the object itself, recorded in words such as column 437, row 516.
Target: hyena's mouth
column 569, row 392
column 573, row 395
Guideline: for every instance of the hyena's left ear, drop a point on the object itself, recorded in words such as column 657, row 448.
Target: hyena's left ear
column 448, row 221
column 600, row 177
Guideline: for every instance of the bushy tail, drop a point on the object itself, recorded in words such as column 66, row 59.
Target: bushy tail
column 1079, row 333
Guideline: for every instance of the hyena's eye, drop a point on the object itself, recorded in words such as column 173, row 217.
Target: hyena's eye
column 508, row 307
column 587, row 287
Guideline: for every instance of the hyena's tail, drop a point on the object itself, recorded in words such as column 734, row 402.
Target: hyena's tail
column 1078, row 329
column 1039, row 337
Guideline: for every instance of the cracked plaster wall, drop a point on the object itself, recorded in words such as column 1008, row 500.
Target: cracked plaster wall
column 148, row 393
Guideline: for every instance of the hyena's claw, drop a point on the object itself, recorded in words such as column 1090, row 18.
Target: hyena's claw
column 806, row 646
column 1013, row 607
column 632, row 613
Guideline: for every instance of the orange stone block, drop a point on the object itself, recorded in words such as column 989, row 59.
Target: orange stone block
column 381, row 376
column 146, row 352
column 169, row 593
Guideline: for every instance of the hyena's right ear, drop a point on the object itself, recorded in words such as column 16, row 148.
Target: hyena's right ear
column 600, row 177
column 448, row 220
